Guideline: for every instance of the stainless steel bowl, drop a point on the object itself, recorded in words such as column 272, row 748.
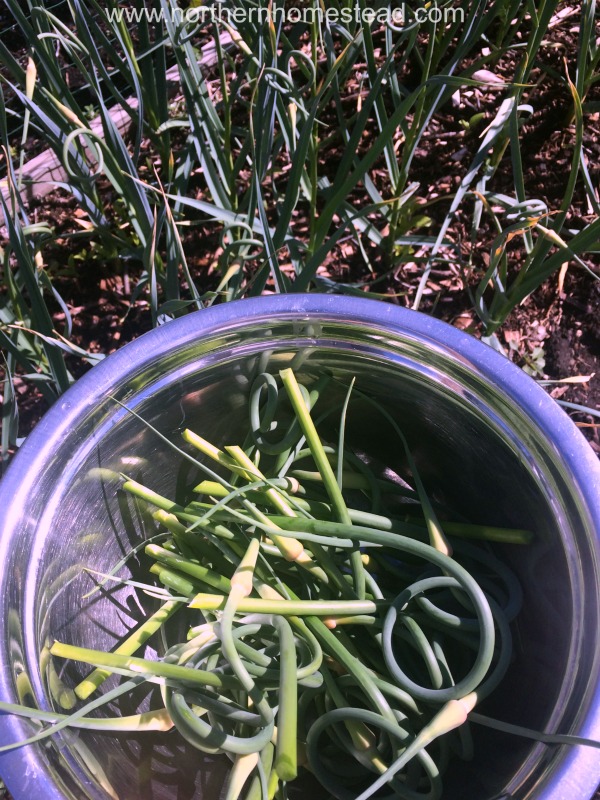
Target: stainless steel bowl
column 488, row 442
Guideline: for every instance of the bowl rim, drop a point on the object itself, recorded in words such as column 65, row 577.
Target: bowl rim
column 578, row 772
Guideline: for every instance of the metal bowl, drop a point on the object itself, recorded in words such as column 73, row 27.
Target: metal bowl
column 488, row 442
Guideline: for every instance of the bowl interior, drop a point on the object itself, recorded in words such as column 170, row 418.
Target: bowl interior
column 477, row 453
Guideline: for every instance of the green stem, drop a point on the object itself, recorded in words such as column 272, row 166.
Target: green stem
column 296, row 608
column 131, row 665
column 130, row 646
column 176, row 562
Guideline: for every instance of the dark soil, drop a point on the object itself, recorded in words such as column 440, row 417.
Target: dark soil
column 574, row 350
